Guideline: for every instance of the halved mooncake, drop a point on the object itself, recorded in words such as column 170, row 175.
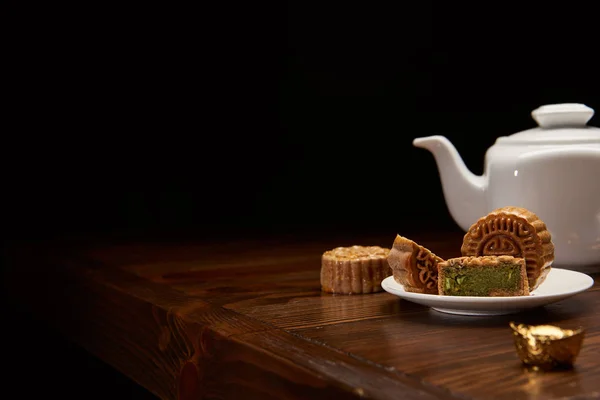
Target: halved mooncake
column 483, row 276
column 354, row 270
column 414, row 266
column 513, row 231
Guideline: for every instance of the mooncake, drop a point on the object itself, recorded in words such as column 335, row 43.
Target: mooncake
column 414, row 266
column 513, row 231
column 354, row 270
column 488, row 276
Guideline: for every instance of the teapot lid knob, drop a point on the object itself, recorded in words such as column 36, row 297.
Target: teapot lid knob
column 561, row 115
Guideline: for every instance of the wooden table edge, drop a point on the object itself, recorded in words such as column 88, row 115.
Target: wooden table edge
column 193, row 335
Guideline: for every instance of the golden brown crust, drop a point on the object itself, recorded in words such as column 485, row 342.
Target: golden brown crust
column 479, row 261
column 414, row 266
column 487, row 262
column 354, row 270
column 513, row 231
column 506, row 293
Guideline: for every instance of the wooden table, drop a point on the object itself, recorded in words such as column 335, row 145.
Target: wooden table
column 246, row 320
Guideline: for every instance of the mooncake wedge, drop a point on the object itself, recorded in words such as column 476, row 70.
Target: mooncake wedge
column 488, row 276
column 414, row 266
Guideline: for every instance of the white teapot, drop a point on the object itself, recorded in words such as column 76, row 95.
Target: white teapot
column 552, row 170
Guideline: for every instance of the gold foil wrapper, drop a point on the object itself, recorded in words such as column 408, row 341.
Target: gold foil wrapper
column 546, row 346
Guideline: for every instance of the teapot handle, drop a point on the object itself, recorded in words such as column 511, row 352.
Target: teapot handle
column 561, row 115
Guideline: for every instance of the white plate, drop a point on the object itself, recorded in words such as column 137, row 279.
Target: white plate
column 559, row 284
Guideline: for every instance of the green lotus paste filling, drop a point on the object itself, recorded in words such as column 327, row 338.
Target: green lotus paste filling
column 480, row 281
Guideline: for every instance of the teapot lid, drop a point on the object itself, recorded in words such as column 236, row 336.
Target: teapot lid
column 558, row 124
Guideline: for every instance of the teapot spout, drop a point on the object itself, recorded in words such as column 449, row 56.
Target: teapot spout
column 464, row 191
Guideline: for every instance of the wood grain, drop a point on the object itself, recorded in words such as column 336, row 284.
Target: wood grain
column 247, row 319
column 445, row 349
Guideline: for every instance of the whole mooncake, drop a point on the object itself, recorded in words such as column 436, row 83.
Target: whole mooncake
column 354, row 270
column 513, row 231
column 414, row 266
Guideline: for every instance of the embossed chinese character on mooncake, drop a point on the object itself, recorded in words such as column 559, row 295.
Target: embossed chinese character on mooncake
column 513, row 231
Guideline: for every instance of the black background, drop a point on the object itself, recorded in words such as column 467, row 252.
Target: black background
column 252, row 118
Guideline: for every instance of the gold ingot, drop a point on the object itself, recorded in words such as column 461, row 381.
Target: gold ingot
column 546, row 346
